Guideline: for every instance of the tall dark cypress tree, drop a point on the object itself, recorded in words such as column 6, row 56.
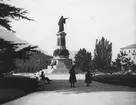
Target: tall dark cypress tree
column 83, row 59
column 102, row 54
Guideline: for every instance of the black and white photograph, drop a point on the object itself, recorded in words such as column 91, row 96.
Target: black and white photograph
column 67, row 52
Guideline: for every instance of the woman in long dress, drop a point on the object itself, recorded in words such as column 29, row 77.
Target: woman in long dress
column 88, row 78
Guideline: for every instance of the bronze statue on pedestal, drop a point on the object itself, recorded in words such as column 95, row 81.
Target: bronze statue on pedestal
column 61, row 23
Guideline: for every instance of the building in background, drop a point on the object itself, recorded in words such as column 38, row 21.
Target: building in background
column 130, row 51
column 37, row 62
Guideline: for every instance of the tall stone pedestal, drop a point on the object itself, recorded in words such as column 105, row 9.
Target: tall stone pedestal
column 61, row 55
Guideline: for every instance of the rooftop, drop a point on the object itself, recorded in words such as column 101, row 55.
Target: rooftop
column 129, row 47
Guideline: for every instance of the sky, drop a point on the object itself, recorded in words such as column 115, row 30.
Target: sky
column 88, row 20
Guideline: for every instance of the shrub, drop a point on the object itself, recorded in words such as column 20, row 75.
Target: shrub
column 126, row 80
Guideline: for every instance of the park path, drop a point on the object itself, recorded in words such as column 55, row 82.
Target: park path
column 60, row 93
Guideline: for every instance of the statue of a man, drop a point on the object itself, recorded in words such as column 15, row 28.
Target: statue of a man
column 61, row 23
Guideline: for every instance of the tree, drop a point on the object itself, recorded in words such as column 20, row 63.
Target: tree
column 123, row 62
column 102, row 54
column 8, row 12
column 112, row 69
column 26, row 52
column 134, row 67
column 8, row 55
column 83, row 59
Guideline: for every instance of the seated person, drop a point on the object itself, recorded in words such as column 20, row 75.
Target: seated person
column 44, row 78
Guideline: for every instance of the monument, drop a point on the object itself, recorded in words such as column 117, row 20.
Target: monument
column 61, row 54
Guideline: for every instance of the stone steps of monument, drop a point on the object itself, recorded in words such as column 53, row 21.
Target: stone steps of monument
column 60, row 71
column 62, row 64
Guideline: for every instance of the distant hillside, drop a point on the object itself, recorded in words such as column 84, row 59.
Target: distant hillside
column 9, row 36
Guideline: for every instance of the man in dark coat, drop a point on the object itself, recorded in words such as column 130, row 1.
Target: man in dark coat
column 72, row 78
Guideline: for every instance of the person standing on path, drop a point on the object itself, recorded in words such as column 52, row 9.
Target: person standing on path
column 88, row 78
column 72, row 78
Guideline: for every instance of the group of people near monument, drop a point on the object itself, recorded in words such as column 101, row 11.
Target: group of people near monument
column 73, row 80
column 72, row 77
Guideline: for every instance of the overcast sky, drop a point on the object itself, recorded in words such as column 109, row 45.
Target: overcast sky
column 88, row 20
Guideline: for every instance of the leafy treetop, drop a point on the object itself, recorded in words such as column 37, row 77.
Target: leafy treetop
column 8, row 12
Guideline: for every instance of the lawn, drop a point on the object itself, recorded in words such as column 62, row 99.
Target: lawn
column 10, row 94
column 12, row 87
